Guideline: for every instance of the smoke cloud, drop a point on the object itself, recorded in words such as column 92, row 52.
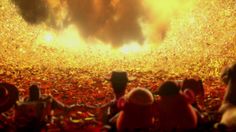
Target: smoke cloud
column 123, row 25
column 115, row 22
column 32, row 11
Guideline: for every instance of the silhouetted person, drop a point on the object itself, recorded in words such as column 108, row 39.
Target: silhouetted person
column 35, row 95
column 194, row 88
column 137, row 113
column 194, row 91
column 34, row 112
column 9, row 94
column 174, row 112
column 228, row 107
column 119, row 80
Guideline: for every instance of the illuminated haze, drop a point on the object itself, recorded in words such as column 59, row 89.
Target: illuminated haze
column 115, row 22
column 182, row 37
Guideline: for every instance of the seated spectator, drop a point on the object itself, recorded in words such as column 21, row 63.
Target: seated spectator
column 9, row 94
column 137, row 112
column 228, row 107
column 119, row 80
column 194, row 90
column 32, row 114
column 35, row 95
column 174, row 111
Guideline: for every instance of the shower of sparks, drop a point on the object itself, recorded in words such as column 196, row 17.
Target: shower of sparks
column 200, row 40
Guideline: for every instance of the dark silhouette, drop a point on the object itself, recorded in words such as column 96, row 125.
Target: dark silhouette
column 196, row 87
column 34, row 93
column 35, row 111
column 174, row 112
column 9, row 94
column 137, row 112
column 228, row 107
column 119, row 80
column 194, row 91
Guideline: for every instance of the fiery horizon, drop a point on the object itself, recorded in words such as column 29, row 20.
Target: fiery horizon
column 113, row 22
column 176, row 36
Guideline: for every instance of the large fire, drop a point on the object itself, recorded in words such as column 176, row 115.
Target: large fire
column 154, row 24
column 70, row 40
column 177, row 36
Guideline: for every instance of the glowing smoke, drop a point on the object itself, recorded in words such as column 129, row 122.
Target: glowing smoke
column 32, row 11
column 115, row 22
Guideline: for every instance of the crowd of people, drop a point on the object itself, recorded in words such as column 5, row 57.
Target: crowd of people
column 174, row 106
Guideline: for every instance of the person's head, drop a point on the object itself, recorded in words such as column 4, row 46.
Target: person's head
column 229, row 73
column 168, row 88
column 9, row 94
column 229, row 78
column 34, row 93
column 140, row 96
column 193, row 91
column 194, row 85
column 119, row 80
column 228, row 108
column 138, row 100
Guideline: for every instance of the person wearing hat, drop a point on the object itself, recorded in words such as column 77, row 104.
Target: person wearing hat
column 174, row 111
column 137, row 112
column 119, row 81
column 9, row 94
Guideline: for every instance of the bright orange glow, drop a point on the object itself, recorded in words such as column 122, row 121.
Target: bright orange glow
column 179, row 36
column 132, row 48
column 68, row 39
column 154, row 28
column 168, row 8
